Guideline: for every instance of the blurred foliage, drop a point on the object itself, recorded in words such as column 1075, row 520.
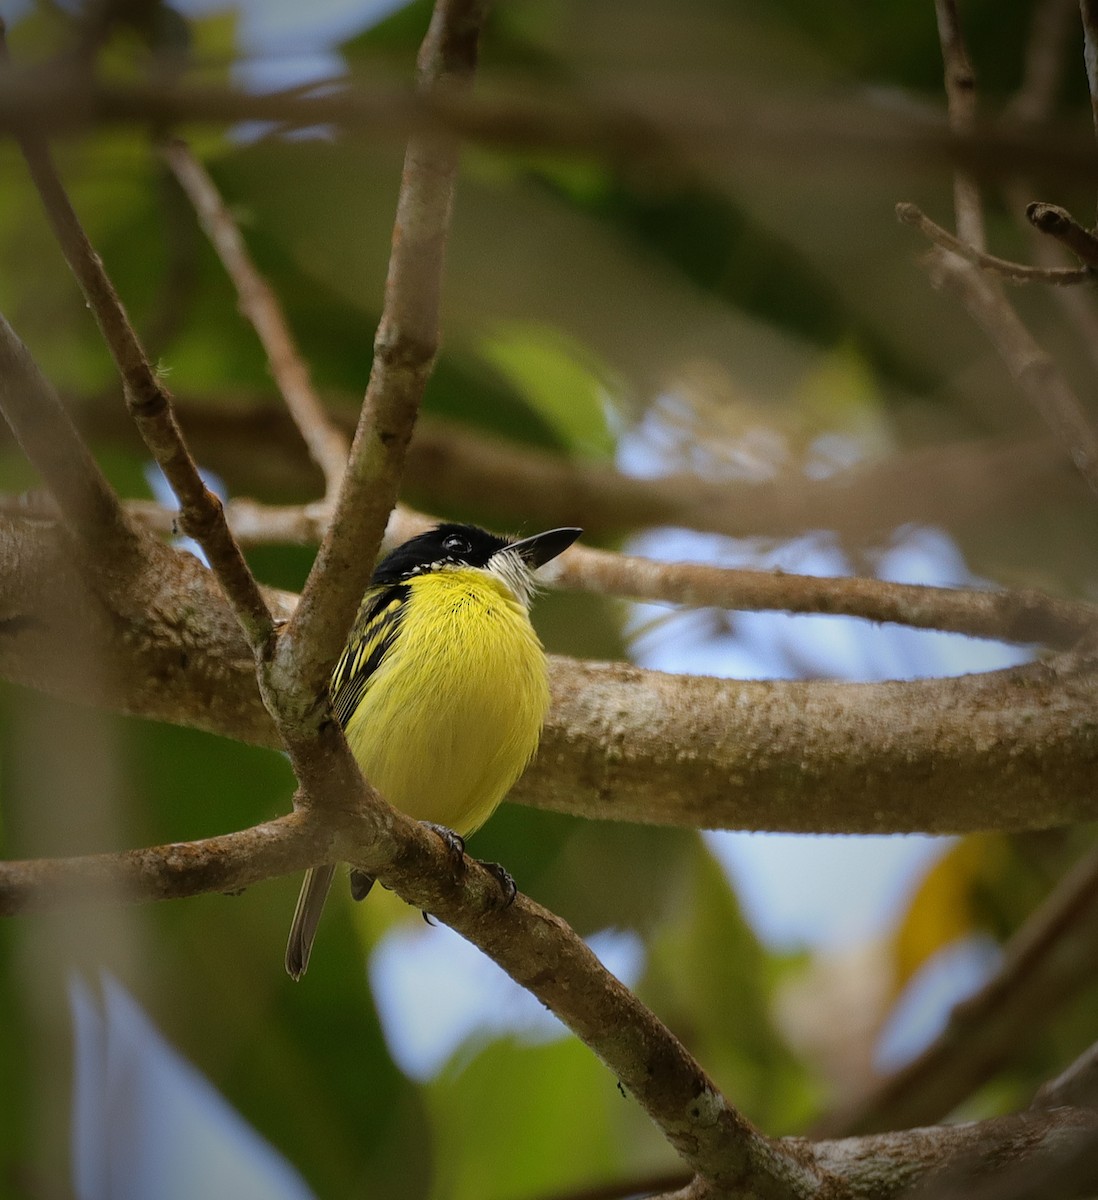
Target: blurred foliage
column 721, row 316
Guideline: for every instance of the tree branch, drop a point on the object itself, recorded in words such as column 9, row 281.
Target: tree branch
column 1013, row 272
column 1088, row 11
column 404, row 354
column 543, row 954
column 1050, row 28
column 960, row 89
column 1021, row 616
column 60, row 102
column 1059, row 223
column 450, row 466
column 218, row 864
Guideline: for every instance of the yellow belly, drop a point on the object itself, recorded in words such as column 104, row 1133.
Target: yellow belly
column 452, row 715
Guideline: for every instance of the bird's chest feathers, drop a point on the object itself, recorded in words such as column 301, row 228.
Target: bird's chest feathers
column 454, row 711
column 466, row 626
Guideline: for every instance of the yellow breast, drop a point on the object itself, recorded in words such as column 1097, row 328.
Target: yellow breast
column 452, row 715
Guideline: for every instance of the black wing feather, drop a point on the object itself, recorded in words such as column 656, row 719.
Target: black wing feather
column 375, row 629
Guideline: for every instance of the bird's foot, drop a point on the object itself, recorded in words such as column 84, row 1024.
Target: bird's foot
column 508, row 890
column 454, row 842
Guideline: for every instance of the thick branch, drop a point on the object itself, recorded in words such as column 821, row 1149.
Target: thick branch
column 1007, row 750
column 404, row 354
column 766, row 130
column 452, row 467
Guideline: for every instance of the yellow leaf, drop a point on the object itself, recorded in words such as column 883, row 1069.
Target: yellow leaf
column 945, row 906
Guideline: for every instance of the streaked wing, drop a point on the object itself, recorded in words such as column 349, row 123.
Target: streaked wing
column 374, row 631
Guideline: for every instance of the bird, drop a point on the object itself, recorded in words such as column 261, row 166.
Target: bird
column 442, row 688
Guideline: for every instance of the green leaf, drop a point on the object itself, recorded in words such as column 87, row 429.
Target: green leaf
column 713, row 983
column 559, row 378
column 508, row 1125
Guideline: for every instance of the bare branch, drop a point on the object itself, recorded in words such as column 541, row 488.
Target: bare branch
column 450, row 465
column 259, row 304
column 218, row 864
column 770, row 130
column 1052, row 956
column 404, row 354
column 1059, row 223
column 1023, row 616
column 960, row 89
column 535, row 947
column 1016, row 1157
column 544, row 955
column 1013, row 272
column 149, row 402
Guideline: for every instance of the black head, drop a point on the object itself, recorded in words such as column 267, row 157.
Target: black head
column 444, row 546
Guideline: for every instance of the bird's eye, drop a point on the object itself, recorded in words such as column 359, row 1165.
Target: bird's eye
column 456, row 544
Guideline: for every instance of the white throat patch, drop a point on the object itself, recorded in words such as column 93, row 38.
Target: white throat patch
column 514, row 572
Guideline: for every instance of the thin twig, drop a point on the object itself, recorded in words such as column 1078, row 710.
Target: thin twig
column 1035, row 372
column 1052, row 956
column 404, row 353
column 1020, row 616
column 1059, row 223
column 260, row 306
column 149, row 402
column 218, row 864
column 1013, row 272
column 1046, row 54
column 960, row 89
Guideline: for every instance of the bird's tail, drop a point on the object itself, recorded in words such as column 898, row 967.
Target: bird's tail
column 310, row 904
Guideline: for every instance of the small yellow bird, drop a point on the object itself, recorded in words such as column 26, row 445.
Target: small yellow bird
column 442, row 689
